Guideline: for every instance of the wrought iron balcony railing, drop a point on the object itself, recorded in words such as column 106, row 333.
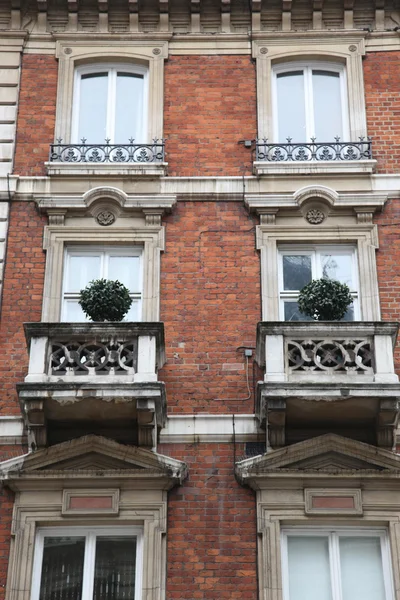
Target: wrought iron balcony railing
column 108, row 153
column 313, row 151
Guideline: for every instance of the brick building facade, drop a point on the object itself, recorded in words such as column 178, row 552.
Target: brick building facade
column 213, row 156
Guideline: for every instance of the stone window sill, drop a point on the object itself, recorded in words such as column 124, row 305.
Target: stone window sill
column 118, row 169
column 264, row 168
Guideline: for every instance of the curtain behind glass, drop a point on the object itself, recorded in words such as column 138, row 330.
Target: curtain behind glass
column 309, row 571
column 129, row 108
column 291, row 107
column 361, row 568
column 115, row 568
column 328, row 121
column 62, row 568
column 93, row 108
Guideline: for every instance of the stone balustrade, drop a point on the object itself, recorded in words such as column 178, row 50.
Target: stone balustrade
column 327, row 351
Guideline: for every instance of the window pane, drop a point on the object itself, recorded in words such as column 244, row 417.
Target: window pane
column 126, row 270
column 73, row 312
column 93, row 108
column 291, row 106
column 133, row 313
column 128, row 107
column 327, row 106
column 62, row 568
column 309, row 572
column 115, row 568
column 292, row 313
column 361, row 568
column 338, row 267
column 349, row 316
column 296, row 271
column 81, row 270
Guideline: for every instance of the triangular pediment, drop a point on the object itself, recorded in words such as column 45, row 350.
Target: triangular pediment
column 325, row 454
column 95, row 456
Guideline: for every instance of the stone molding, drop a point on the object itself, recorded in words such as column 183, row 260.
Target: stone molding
column 345, row 47
column 56, row 237
column 364, row 236
column 58, row 169
column 347, row 219
column 264, row 168
column 110, row 195
column 336, row 465
column 354, row 507
column 41, row 478
column 209, row 428
column 72, row 52
column 357, row 190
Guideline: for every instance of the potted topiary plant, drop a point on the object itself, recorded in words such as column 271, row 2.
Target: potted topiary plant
column 325, row 300
column 105, row 300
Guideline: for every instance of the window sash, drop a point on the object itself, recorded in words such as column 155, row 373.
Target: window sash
column 72, row 296
column 111, row 102
column 334, row 536
column 307, row 69
column 90, row 535
column 316, row 253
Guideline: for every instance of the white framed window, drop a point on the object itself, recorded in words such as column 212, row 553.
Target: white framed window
column 84, row 264
column 336, row 564
column 309, row 100
column 298, row 265
column 77, row 563
column 110, row 102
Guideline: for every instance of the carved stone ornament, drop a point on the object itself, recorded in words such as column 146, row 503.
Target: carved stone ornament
column 156, row 51
column 105, row 217
column 315, row 216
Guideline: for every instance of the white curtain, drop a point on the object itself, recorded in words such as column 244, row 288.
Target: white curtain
column 361, row 568
column 309, row 572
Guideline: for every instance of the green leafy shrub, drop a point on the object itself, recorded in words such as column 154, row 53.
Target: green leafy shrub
column 105, row 300
column 325, row 300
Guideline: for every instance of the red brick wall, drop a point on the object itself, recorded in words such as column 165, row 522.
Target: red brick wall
column 36, row 113
column 22, row 297
column 387, row 260
column 211, row 527
column 210, row 304
column 210, row 104
column 382, row 92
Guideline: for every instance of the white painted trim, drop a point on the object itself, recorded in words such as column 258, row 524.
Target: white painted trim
column 90, row 533
column 210, row 428
column 307, row 68
column 104, row 253
column 315, row 252
column 334, row 554
column 111, row 69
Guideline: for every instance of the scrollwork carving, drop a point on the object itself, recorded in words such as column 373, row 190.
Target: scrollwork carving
column 329, row 356
column 94, row 358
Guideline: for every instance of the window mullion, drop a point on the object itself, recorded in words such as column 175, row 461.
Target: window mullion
column 315, row 265
column 104, row 266
column 310, row 125
column 88, row 566
column 112, row 87
column 334, row 554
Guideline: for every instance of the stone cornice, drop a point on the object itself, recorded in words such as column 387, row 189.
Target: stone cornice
column 356, row 189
